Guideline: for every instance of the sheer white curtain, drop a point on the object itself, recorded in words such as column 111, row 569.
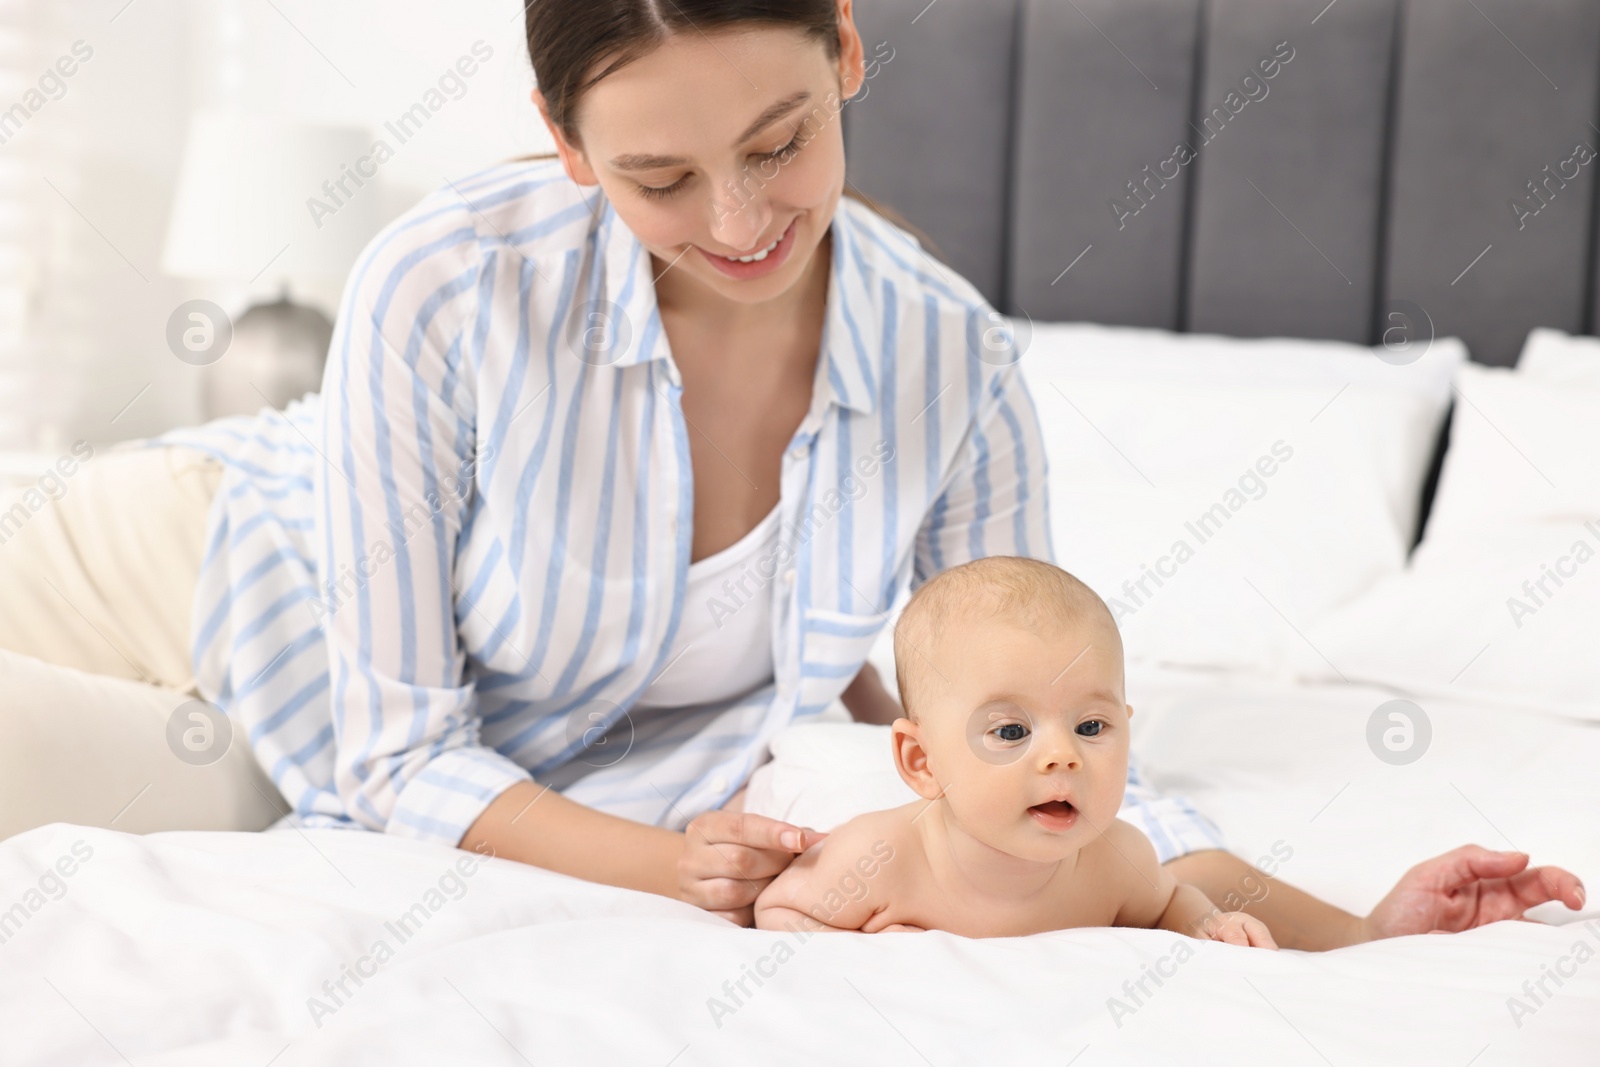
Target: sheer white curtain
column 43, row 304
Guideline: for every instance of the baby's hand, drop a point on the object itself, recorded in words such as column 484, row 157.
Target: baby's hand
column 1236, row 928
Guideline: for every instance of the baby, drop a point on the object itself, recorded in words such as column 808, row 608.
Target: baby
column 1016, row 736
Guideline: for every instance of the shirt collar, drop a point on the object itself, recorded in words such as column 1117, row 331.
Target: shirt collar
column 851, row 330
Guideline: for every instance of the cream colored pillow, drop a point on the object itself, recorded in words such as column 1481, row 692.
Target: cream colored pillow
column 87, row 749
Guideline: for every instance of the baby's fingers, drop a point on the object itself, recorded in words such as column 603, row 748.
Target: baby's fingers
column 1233, row 934
column 1260, row 936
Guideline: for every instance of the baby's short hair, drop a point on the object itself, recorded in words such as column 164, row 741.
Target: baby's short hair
column 1031, row 592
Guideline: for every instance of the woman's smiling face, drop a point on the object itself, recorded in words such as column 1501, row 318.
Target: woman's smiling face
column 714, row 147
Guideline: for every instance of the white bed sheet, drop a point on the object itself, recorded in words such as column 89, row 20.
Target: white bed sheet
column 204, row 948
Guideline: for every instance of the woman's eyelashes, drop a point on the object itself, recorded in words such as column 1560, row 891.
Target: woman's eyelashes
column 781, row 155
column 653, row 192
column 787, row 151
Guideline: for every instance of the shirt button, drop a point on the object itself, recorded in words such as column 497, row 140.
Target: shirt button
column 718, row 784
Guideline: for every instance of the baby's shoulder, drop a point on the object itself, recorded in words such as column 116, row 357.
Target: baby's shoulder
column 871, row 841
column 1122, row 852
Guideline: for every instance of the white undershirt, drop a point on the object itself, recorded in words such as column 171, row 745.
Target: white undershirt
column 723, row 648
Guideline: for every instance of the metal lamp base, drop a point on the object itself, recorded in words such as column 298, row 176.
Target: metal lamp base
column 277, row 355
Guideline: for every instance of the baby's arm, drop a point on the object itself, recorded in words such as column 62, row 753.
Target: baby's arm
column 828, row 886
column 1154, row 899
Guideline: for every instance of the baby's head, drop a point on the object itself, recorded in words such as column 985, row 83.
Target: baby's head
column 1010, row 671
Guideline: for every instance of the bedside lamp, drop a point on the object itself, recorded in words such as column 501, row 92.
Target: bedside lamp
column 259, row 196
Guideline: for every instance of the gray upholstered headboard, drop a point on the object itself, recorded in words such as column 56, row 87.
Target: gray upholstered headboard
column 1421, row 151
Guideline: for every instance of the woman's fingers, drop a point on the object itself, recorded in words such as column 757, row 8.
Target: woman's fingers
column 757, row 831
column 727, row 894
column 744, row 846
column 712, row 859
column 730, row 857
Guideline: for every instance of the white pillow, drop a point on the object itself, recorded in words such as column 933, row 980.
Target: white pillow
column 1558, row 358
column 822, row 774
column 1502, row 599
column 1307, row 456
column 1522, row 451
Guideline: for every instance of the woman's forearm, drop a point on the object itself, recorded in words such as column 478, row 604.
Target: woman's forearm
column 535, row 824
column 1296, row 918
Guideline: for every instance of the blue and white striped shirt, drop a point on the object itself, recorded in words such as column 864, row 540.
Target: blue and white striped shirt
column 459, row 566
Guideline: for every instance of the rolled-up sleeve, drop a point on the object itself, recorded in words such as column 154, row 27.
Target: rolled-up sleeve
column 401, row 454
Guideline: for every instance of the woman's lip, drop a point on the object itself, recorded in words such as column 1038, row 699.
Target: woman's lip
column 774, row 260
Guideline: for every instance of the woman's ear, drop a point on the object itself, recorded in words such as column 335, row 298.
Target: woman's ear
column 852, row 61
column 573, row 158
column 911, row 759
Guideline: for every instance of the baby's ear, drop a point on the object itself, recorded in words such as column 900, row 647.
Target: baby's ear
column 1129, row 709
column 911, row 758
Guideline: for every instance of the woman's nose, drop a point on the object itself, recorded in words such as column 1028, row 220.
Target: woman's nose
column 739, row 214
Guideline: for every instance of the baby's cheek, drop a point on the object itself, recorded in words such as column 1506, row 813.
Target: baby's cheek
column 1111, row 786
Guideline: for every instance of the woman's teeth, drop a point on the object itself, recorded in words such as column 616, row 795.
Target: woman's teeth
column 759, row 256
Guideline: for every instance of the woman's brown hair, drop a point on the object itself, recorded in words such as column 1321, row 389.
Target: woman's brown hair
column 575, row 43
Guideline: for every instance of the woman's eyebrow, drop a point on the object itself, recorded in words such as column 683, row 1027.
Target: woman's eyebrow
column 773, row 114
column 636, row 161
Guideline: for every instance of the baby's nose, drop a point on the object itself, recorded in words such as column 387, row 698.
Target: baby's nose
column 1060, row 752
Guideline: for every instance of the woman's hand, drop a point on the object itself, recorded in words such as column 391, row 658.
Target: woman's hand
column 729, row 857
column 1468, row 887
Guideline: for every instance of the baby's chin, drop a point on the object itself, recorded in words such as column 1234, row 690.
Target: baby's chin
column 1033, row 839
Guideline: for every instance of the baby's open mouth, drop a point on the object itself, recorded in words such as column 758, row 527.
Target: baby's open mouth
column 1054, row 815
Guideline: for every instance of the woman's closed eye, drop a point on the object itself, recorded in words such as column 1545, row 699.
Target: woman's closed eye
column 661, row 192
column 794, row 145
column 784, row 154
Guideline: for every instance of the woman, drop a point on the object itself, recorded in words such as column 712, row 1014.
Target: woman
column 619, row 464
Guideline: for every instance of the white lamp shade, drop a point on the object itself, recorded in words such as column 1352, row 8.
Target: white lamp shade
column 244, row 205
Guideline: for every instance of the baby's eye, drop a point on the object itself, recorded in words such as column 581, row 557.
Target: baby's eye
column 1091, row 728
column 1010, row 731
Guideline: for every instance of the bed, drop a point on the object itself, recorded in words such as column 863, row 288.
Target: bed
column 306, row 947
column 213, row 948
column 1307, row 280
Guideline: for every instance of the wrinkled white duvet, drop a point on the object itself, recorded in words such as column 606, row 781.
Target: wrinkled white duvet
column 328, row 947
